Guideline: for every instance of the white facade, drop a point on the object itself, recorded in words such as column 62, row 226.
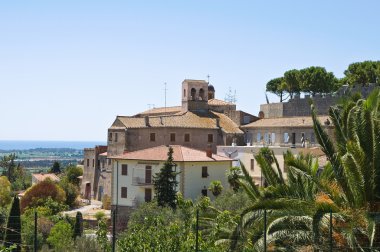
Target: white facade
column 245, row 155
column 190, row 180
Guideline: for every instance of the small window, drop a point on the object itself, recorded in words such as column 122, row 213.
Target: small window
column 252, row 164
column 93, row 162
column 204, row 172
column 312, row 137
column 286, row 137
column 210, row 138
column 110, row 137
column 124, row 169
column 172, row 137
column 124, row 192
column 246, row 119
column 88, row 162
column 152, row 137
column 109, row 161
column 187, row 138
column 204, row 192
column 115, row 137
column 98, row 162
column 102, row 163
column 258, row 137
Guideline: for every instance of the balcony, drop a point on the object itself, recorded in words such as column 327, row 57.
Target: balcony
column 141, row 181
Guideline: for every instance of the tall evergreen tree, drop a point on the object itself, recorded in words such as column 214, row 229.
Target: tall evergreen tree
column 78, row 227
column 165, row 183
column 13, row 232
column 56, row 168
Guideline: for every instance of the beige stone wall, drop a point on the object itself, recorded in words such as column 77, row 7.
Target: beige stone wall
column 116, row 146
column 138, row 139
column 88, row 169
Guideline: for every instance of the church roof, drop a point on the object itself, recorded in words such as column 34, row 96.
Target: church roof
column 180, row 154
column 162, row 110
column 217, row 102
column 281, row 122
column 195, row 120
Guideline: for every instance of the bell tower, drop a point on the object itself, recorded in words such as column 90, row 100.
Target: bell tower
column 194, row 95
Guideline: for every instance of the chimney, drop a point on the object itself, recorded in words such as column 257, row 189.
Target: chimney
column 217, row 122
column 147, row 121
column 209, row 151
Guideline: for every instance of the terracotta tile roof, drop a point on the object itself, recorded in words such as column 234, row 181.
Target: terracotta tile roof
column 163, row 111
column 104, row 154
column 180, row 154
column 41, row 177
column 217, row 102
column 206, row 120
column 299, row 121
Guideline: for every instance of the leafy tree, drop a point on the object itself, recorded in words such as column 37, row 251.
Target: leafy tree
column 363, row 72
column 101, row 236
column 9, row 166
column 13, row 231
column 317, row 80
column 165, row 183
column 277, row 86
column 71, row 190
column 61, row 236
column 5, row 191
column 72, row 173
column 292, row 82
column 216, row 187
column 78, row 226
column 56, row 168
column 42, row 193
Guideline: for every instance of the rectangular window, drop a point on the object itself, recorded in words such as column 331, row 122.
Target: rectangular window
column 93, row 162
column 286, row 137
column 88, row 162
column 152, row 137
column 204, row 192
column 124, row 192
column 109, row 161
column 115, row 137
column 124, row 169
column 246, row 119
column 148, row 174
column 252, row 164
column 266, row 137
column 110, row 137
column 172, row 137
column 312, row 137
column 187, row 137
column 273, row 139
column 204, row 172
column 258, row 137
column 98, row 162
column 210, row 138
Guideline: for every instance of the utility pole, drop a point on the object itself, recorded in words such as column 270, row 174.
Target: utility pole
column 196, row 234
column 35, row 231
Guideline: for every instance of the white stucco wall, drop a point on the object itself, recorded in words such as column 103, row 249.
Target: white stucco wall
column 246, row 153
column 192, row 173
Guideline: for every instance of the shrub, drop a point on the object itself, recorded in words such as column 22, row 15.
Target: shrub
column 99, row 215
column 40, row 193
column 61, row 236
column 106, row 202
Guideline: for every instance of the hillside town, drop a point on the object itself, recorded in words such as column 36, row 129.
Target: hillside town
column 189, row 126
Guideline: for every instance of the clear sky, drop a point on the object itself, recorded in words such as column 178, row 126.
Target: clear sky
column 67, row 68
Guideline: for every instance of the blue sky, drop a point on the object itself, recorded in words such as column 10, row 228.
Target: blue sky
column 68, row 68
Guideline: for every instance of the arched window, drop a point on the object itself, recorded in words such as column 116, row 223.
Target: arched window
column 193, row 91
column 201, row 94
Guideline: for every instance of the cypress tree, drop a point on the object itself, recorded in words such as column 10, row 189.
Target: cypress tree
column 13, row 231
column 78, row 227
column 165, row 183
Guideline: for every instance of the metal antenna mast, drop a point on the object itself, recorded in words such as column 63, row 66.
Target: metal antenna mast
column 208, row 79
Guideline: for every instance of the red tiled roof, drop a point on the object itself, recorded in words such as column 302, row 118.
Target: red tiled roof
column 42, row 177
column 217, row 102
column 180, row 154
